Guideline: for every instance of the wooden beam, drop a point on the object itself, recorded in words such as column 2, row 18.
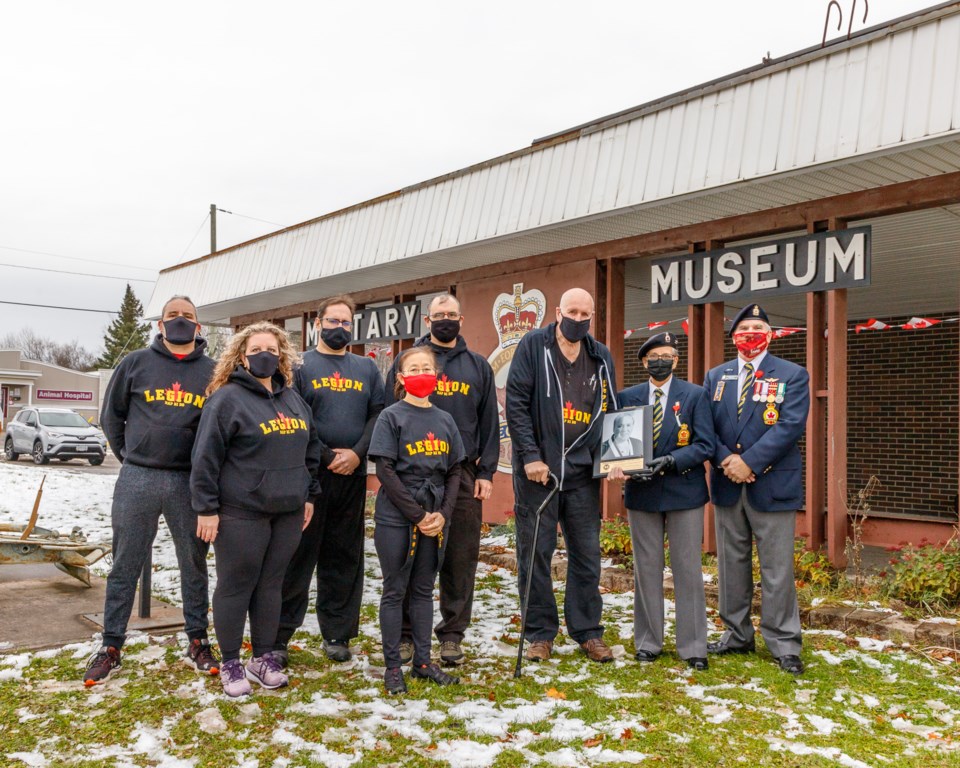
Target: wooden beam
column 608, row 327
column 906, row 196
column 815, row 459
column 837, row 427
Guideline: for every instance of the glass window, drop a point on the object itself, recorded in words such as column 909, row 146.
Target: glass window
column 62, row 419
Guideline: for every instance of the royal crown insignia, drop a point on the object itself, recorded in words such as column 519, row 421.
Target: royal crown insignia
column 515, row 314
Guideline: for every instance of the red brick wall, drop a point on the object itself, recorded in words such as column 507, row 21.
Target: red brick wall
column 903, row 412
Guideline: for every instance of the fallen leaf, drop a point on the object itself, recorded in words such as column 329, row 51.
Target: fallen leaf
column 492, row 696
column 553, row 693
column 594, row 742
column 627, row 734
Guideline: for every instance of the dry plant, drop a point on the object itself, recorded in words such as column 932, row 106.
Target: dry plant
column 858, row 508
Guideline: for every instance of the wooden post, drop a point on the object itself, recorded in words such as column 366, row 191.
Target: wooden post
column 815, row 438
column 837, row 427
column 608, row 327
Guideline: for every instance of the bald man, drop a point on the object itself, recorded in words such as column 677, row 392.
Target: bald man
column 561, row 380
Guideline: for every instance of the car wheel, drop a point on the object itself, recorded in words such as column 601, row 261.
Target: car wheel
column 96, row 461
column 38, row 457
column 8, row 451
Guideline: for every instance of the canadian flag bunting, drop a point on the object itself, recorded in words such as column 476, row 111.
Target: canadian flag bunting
column 781, row 332
column 628, row 333
column 915, row 323
column 871, row 325
column 686, row 327
column 658, row 324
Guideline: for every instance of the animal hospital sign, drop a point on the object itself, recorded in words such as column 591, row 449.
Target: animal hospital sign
column 818, row 262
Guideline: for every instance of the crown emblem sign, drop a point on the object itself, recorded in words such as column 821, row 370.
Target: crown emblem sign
column 515, row 314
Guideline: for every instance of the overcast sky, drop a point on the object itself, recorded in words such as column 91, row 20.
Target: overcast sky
column 123, row 121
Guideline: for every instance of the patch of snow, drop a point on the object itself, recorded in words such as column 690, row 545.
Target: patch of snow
column 33, row 759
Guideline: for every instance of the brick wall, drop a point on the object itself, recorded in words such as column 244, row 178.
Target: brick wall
column 902, row 407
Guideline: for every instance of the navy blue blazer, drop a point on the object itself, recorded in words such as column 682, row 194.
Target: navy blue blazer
column 686, row 486
column 770, row 450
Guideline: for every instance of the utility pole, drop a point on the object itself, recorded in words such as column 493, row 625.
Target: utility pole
column 213, row 227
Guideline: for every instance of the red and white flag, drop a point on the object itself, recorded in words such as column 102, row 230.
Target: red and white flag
column 871, row 325
column 686, row 327
column 657, row 324
column 781, row 332
column 915, row 323
column 629, row 332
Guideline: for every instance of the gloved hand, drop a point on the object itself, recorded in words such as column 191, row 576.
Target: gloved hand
column 662, row 464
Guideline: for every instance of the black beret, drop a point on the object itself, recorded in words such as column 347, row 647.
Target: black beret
column 666, row 339
column 749, row 312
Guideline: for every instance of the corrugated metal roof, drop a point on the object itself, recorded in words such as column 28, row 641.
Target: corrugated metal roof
column 820, row 125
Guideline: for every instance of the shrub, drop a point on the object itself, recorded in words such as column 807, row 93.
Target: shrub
column 926, row 576
column 813, row 568
column 615, row 542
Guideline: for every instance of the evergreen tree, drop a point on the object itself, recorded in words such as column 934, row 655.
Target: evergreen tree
column 126, row 333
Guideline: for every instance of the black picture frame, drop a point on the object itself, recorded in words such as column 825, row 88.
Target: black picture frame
column 633, row 456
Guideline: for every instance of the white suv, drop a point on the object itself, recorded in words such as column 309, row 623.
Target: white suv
column 57, row 433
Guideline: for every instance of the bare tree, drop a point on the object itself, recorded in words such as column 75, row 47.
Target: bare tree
column 35, row 347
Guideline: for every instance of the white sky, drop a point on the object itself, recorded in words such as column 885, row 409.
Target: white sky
column 122, row 121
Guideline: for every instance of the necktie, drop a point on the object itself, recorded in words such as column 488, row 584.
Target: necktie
column 745, row 389
column 657, row 415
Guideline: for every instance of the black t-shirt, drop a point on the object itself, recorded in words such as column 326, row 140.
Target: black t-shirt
column 423, row 443
column 578, row 381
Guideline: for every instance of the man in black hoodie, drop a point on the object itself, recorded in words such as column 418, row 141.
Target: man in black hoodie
column 467, row 391
column 150, row 415
column 561, row 380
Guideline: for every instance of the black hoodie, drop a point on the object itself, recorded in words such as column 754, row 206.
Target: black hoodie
column 256, row 451
column 467, row 391
column 535, row 407
column 153, row 405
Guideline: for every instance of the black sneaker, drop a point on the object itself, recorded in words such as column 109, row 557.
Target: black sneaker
column 393, row 681
column 201, row 655
column 101, row 665
column 337, row 650
column 433, row 672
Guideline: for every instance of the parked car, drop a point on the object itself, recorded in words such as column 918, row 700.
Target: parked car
column 53, row 433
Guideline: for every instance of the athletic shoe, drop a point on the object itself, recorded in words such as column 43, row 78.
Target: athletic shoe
column 203, row 657
column 393, row 681
column 282, row 657
column 337, row 650
column 433, row 672
column 101, row 665
column 451, row 654
column 233, row 679
column 266, row 671
column 406, row 651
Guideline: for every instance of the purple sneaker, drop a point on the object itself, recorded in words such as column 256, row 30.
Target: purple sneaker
column 267, row 671
column 233, row 679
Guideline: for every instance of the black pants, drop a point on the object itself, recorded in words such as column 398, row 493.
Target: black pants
column 252, row 556
column 394, row 545
column 458, row 571
column 578, row 513
column 333, row 545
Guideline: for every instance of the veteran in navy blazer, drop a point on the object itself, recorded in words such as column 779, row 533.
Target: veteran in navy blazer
column 759, row 404
column 669, row 498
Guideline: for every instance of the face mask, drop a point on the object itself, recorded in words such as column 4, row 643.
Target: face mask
column 179, row 330
column 574, row 330
column 263, row 364
column 750, row 343
column 444, row 331
column 335, row 338
column 659, row 370
column 420, row 385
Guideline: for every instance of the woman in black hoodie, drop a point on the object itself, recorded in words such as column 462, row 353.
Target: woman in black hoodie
column 253, row 484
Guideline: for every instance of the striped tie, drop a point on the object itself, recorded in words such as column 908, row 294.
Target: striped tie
column 657, row 415
column 747, row 386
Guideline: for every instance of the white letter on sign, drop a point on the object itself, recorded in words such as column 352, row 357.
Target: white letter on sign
column 758, row 268
column 410, row 315
column 665, row 282
column 373, row 326
column 390, row 322
column 688, row 270
column 734, row 279
column 791, row 264
column 837, row 256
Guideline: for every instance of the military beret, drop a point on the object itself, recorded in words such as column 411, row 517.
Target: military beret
column 749, row 312
column 666, row 339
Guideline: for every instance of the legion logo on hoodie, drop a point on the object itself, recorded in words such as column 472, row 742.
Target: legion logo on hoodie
column 431, row 446
column 447, row 388
column 174, row 396
column 283, row 425
column 335, row 382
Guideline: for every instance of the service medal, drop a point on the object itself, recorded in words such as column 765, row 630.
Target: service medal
column 718, row 393
column 781, row 391
column 683, row 435
column 771, row 415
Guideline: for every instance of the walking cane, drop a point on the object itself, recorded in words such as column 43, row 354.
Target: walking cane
column 533, row 554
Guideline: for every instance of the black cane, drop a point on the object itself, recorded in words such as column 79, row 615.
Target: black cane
column 533, row 554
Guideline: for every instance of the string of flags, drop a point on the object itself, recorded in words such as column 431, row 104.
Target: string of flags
column 913, row 324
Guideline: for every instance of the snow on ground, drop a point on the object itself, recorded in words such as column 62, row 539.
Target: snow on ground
column 578, row 714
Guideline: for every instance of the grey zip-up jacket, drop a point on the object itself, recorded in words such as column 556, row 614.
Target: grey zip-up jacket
column 535, row 404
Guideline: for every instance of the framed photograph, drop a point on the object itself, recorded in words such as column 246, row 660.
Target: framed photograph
column 626, row 442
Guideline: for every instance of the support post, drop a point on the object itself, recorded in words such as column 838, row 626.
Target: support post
column 608, row 327
column 837, row 427
column 815, row 466
column 213, row 227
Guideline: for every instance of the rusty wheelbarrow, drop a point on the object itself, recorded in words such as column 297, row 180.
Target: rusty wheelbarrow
column 71, row 553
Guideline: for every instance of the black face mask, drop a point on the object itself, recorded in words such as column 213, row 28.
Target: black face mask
column 659, row 370
column 179, row 330
column 444, row 331
column 335, row 338
column 263, row 364
column 574, row 330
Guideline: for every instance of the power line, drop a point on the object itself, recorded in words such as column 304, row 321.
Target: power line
column 253, row 218
column 81, row 274
column 184, row 255
column 73, row 258
column 53, row 306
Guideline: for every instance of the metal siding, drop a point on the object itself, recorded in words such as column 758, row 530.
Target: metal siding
column 701, row 149
column 631, row 159
column 851, row 105
column 719, row 132
column 736, row 144
column 898, row 78
column 831, row 104
column 668, row 170
column 808, row 121
column 945, row 88
column 920, row 84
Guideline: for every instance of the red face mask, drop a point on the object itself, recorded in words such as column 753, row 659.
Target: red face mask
column 420, row 385
column 750, row 343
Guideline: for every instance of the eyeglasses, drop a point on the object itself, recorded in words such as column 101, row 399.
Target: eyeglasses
column 415, row 371
column 445, row 316
column 332, row 322
column 664, row 357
